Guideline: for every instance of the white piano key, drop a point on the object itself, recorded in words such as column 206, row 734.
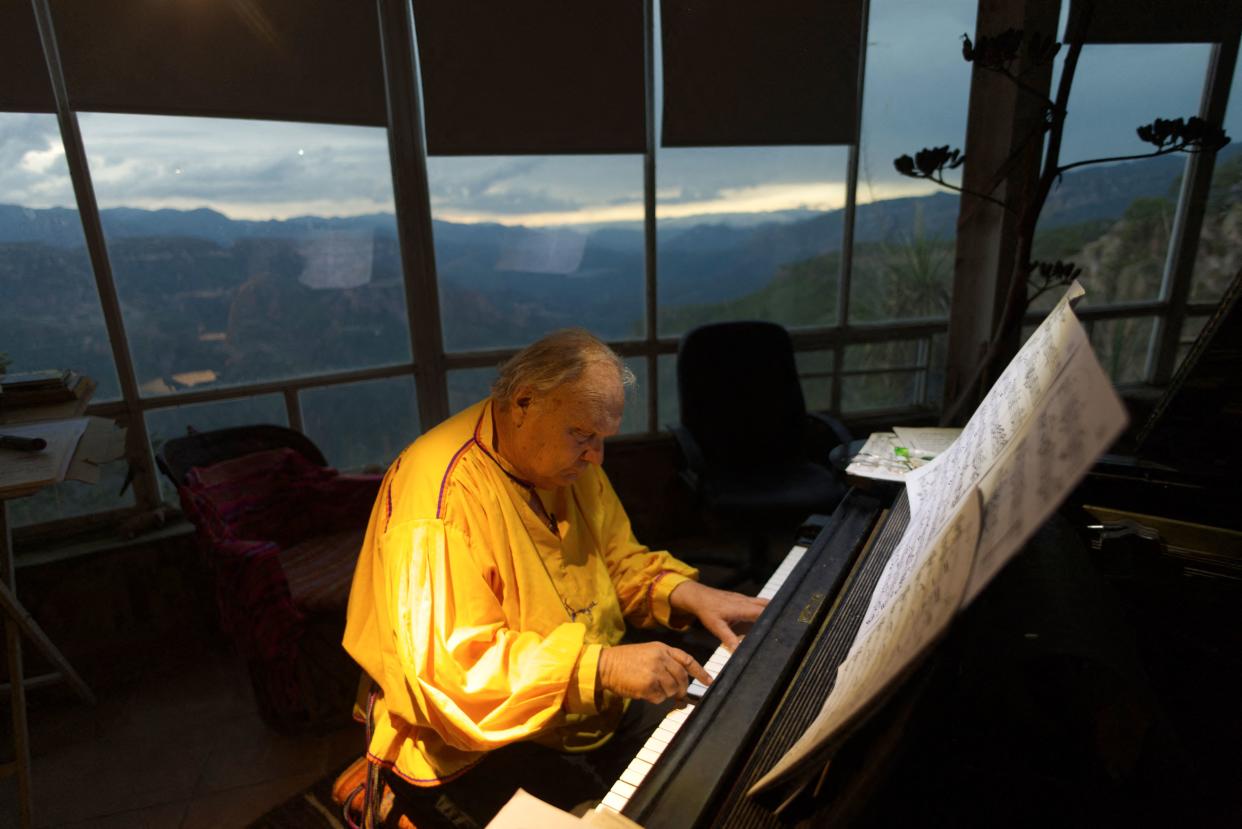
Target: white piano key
column 648, row 754
column 624, row 789
column 614, row 801
column 653, row 749
column 635, row 774
column 658, row 739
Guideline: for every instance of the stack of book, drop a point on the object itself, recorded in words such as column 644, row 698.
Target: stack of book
column 50, row 393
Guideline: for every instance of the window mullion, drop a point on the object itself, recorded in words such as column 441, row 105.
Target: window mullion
column 1188, row 221
column 138, row 448
column 651, row 331
column 407, row 149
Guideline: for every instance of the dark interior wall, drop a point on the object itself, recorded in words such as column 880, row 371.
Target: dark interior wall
column 114, row 612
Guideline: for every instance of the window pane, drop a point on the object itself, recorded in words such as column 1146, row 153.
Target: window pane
column 934, row 393
column 528, row 245
column 1114, row 220
column 749, row 233
column 815, row 369
column 467, row 386
column 892, row 354
column 1122, row 346
column 1220, row 254
column 358, row 425
column 175, row 421
column 634, row 420
column 50, row 315
column 670, row 407
column 246, row 251
column 869, row 392
column 1191, row 328
column 916, row 95
column 73, row 498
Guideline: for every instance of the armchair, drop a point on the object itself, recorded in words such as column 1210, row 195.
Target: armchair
column 281, row 533
column 745, row 432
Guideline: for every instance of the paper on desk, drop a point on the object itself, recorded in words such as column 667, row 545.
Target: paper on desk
column 24, row 472
column 926, row 440
column 103, row 441
column 879, row 459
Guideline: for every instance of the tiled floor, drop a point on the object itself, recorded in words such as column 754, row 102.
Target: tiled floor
column 183, row 746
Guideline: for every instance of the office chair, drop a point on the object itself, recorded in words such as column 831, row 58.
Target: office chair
column 745, row 431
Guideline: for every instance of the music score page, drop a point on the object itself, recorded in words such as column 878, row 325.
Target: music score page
column 1051, row 413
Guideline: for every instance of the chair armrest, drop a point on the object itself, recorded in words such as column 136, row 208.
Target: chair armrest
column 838, row 428
column 691, row 452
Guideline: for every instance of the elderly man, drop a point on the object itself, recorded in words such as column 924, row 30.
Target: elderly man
column 493, row 589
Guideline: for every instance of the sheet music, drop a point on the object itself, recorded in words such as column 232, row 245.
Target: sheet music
column 916, row 598
column 1041, row 427
column 941, row 483
column 1079, row 418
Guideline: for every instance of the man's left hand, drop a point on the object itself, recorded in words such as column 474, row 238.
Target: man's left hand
column 720, row 611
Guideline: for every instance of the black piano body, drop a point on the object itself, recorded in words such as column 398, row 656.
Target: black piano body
column 1073, row 690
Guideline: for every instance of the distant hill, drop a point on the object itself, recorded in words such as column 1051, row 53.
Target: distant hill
column 502, row 285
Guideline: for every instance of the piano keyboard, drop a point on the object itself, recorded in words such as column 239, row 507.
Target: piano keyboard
column 721, row 655
column 647, row 756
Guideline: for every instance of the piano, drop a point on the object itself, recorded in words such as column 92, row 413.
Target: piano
column 693, row 771
column 1087, row 672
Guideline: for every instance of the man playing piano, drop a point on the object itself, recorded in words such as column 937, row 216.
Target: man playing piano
column 493, row 590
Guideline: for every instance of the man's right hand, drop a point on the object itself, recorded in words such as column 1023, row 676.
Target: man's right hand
column 651, row 671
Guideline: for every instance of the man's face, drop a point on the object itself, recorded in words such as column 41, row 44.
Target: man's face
column 560, row 432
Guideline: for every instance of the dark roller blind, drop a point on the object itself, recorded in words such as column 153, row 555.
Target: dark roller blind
column 745, row 72
column 1158, row 21
column 504, row 77
column 24, row 86
column 278, row 59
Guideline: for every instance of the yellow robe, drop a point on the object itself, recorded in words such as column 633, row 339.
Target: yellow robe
column 480, row 623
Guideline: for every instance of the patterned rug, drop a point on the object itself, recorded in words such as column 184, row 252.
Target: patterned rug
column 309, row 809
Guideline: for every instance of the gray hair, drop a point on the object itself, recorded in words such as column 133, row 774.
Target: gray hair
column 554, row 360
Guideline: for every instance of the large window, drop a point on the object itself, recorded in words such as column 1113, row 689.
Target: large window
column 749, row 233
column 248, row 251
column 1220, row 253
column 50, row 315
column 1115, row 220
column 916, row 94
column 527, row 245
column 259, row 274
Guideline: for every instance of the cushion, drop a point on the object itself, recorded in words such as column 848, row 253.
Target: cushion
column 320, row 570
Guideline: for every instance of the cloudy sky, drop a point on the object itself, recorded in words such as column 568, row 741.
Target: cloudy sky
column 915, row 95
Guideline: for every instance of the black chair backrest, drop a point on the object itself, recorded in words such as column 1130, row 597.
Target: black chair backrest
column 179, row 455
column 740, row 395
